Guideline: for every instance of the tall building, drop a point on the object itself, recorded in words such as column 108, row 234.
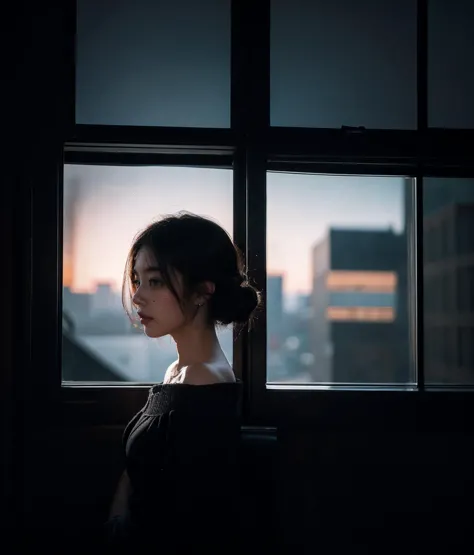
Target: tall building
column 359, row 329
column 274, row 303
column 449, row 294
column 448, row 278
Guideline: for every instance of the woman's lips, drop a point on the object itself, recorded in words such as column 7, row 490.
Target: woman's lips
column 144, row 319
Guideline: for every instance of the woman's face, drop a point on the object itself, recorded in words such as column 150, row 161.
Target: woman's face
column 159, row 311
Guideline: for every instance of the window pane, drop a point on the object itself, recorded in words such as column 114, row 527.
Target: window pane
column 343, row 63
column 451, row 63
column 153, row 62
column 448, row 248
column 337, row 258
column 104, row 208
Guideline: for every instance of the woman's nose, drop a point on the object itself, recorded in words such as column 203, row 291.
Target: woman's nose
column 136, row 298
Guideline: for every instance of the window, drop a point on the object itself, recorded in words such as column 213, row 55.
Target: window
column 343, row 63
column 450, row 62
column 337, row 295
column 153, row 62
column 448, row 276
column 104, row 208
column 360, row 238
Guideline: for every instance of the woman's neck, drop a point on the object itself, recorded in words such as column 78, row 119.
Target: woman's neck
column 197, row 345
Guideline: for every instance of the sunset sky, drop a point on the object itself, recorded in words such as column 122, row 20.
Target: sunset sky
column 105, row 207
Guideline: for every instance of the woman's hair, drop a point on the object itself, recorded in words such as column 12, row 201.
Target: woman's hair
column 200, row 250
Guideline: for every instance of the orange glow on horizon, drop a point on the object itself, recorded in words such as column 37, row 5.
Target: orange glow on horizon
column 106, row 206
column 68, row 272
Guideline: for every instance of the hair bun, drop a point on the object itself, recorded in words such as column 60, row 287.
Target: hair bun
column 234, row 301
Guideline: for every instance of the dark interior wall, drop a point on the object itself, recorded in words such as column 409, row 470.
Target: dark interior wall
column 365, row 491
column 12, row 179
column 6, row 352
column 375, row 487
column 377, row 491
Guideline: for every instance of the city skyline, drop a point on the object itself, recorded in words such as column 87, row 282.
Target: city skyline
column 105, row 207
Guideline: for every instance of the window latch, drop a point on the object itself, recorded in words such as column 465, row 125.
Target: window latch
column 353, row 130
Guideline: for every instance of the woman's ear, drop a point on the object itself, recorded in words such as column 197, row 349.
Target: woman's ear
column 205, row 291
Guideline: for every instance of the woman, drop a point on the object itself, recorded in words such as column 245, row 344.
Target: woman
column 179, row 492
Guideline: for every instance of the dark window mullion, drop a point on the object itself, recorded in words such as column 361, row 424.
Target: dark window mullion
column 422, row 65
column 255, row 133
column 438, row 149
column 350, row 144
column 250, row 119
column 109, row 158
column 238, row 112
column 69, row 62
column 167, row 137
column 239, row 63
column 250, row 63
column 422, row 118
column 419, row 305
column 46, row 286
column 257, row 269
column 240, row 335
column 52, row 62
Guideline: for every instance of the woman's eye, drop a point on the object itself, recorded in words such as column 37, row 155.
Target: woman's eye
column 151, row 282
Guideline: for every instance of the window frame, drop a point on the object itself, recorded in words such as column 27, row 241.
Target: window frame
column 253, row 147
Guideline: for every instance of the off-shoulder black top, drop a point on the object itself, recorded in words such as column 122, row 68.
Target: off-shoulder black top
column 181, row 455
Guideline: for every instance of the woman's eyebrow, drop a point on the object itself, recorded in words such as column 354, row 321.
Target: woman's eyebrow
column 148, row 270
